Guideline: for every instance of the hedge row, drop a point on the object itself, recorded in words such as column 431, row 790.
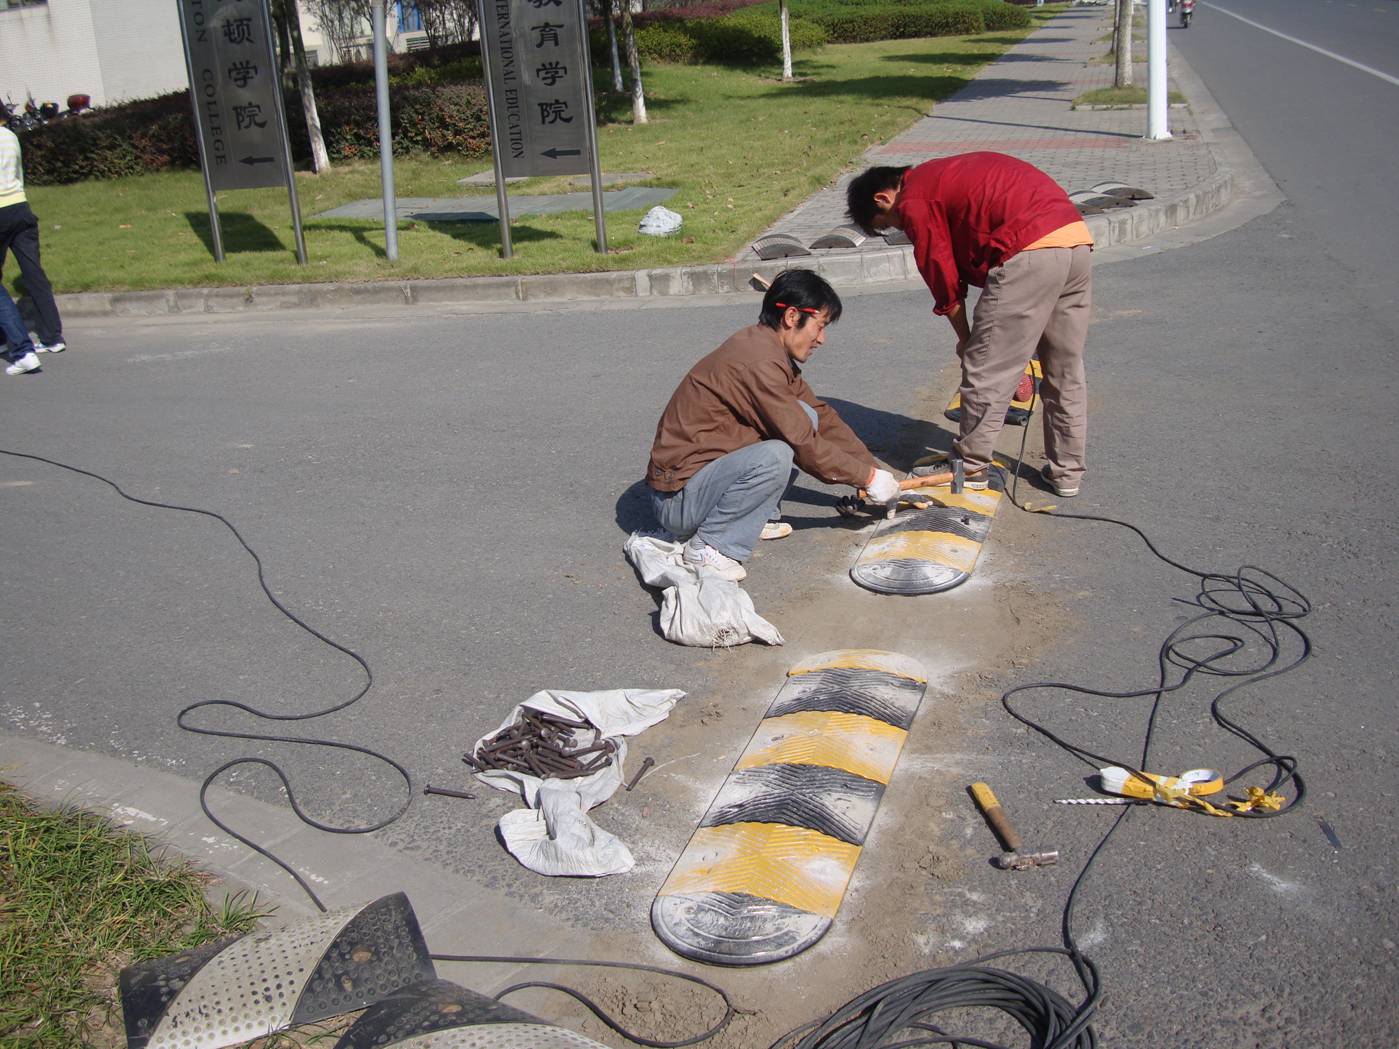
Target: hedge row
column 850, row 24
column 158, row 134
column 752, row 36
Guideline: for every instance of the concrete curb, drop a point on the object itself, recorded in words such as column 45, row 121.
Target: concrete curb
column 843, row 269
column 458, row 915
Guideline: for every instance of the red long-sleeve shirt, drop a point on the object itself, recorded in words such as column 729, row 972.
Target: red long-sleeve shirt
column 969, row 213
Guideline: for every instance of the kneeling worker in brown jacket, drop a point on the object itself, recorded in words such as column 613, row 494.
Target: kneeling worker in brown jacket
column 727, row 441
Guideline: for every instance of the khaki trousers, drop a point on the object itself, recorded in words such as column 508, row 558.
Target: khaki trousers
column 1035, row 302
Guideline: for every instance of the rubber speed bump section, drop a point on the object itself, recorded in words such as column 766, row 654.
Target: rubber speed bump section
column 1022, row 404
column 236, row 990
column 438, row 1014
column 927, row 551
column 764, row 874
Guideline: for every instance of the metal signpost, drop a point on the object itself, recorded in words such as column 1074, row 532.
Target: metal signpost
column 539, row 82
column 235, row 87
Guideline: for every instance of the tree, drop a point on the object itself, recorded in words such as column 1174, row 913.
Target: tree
column 1122, row 43
column 786, row 41
column 609, row 14
column 448, row 21
column 284, row 13
column 341, row 22
column 638, row 93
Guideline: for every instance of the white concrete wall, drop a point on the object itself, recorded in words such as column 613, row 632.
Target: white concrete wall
column 50, row 51
column 139, row 48
column 113, row 50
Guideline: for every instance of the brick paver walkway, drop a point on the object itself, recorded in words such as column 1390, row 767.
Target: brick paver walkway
column 1021, row 105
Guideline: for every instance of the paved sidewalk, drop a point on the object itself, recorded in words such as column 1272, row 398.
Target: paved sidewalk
column 1019, row 104
column 1022, row 105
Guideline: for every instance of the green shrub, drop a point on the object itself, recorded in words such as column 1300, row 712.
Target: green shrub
column 850, row 23
column 158, row 134
column 445, row 118
column 1000, row 15
column 663, row 42
column 460, row 71
column 752, row 36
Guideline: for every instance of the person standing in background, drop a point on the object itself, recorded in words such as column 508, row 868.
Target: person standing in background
column 19, row 233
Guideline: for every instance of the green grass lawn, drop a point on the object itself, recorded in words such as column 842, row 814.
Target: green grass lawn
column 741, row 147
column 80, row 900
column 1135, row 95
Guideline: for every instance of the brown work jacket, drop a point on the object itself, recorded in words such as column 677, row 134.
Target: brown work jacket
column 744, row 392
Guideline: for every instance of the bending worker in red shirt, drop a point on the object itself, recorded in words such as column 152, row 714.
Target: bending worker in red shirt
column 998, row 223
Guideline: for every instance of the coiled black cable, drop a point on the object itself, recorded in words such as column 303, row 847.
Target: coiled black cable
column 394, row 815
column 1234, row 609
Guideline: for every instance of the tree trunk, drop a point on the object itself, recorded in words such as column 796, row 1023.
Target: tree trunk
column 786, row 41
column 1123, row 75
column 638, row 93
column 609, row 8
column 320, row 159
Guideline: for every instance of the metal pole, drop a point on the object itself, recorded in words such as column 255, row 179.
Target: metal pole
column 1158, row 125
column 381, row 87
column 215, row 232
column 501, row 199
column 599, row 218
column 287, row 172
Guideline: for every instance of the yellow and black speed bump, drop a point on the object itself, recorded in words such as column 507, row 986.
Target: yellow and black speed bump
column 925, row 551
column 1021, row 408
column 764, row 874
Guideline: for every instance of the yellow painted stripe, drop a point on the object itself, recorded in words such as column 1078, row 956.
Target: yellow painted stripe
column 802, row 868
column 983, row 502
column 861, row 659
column 865, row 746
column 941, row 548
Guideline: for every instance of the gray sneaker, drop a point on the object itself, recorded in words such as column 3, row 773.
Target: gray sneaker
column 57, row 346
column 28, row 363
column 1063, row 489
column 705, row 558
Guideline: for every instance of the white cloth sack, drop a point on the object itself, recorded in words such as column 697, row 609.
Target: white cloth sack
column 660, row 222
column 697, row 608
column 555, row 835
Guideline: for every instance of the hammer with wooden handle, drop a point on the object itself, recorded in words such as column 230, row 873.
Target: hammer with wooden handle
column 1013, row 859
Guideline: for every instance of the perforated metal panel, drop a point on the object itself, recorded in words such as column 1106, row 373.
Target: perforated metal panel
column 441, row 1015
column 226, row 993
column 503, row 1036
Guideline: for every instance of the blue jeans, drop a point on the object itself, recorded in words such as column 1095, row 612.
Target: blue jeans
column 727, row 503
column 13, row 328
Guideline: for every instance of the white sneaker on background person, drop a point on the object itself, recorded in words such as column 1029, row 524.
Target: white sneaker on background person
column 57, row 346
column 28, row 363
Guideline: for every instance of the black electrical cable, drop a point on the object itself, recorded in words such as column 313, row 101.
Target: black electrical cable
column 397, row 813
column 1249, row 604
column 729, row 1009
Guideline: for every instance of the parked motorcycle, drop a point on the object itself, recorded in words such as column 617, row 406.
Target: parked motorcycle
column 1187, row 11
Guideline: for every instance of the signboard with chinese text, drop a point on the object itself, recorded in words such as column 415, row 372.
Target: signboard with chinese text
column 541, row 104
column 236, row 92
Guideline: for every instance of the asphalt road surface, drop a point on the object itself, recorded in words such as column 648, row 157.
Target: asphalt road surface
column 447, row 493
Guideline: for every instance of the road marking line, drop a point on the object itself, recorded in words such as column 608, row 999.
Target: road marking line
column 1310, row 47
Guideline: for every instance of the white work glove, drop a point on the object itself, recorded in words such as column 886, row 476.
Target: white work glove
column 882, row 487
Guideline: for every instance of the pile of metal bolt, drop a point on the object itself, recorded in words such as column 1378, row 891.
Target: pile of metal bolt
column 544, row 745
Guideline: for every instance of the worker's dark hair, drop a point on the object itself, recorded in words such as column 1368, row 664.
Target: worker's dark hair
column 859, row 195
column 809, row 293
